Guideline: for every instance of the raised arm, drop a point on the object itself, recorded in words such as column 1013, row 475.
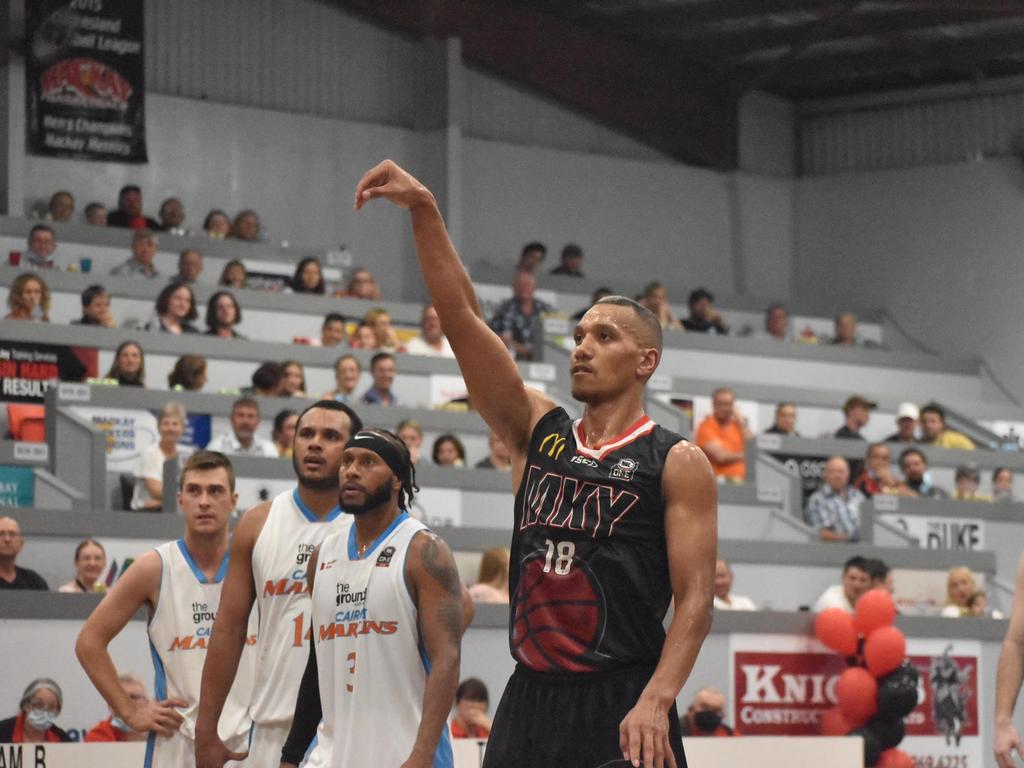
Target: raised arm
column 495, row 387
column 227, row 640
column 1009, row 675
column 431, row 571
column 139, row 586
column 691, row 535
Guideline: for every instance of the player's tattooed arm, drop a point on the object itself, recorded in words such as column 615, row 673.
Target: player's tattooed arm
column 439, row 565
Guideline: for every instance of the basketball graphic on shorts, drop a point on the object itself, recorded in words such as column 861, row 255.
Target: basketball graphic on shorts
column 558, row 618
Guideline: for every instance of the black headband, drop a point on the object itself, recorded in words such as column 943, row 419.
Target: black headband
column 371, row 441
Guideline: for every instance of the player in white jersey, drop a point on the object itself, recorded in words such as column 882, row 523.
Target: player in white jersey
column 180, row 584
column 387, row 625
column 269, row 552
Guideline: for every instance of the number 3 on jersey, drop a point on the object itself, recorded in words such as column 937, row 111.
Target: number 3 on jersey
column 565, row 550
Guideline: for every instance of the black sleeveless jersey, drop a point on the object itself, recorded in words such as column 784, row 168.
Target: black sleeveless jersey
column 589, row 581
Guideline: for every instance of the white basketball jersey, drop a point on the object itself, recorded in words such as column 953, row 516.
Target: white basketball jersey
column 179, row 633
column 372, row 666
column 290, row 534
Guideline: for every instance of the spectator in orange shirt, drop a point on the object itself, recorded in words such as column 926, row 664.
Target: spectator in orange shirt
column 723, row 435
column 114, row 728
column 471, row 701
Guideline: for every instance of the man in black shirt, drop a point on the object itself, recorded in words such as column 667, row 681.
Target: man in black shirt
column 96, row 308
column 11, row 575
column 857, row 412
column 572, row 261
column 704, row 318
column 785, row 421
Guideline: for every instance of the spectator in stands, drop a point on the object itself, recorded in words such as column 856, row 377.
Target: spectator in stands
column 40, row 706
column 233, row 275
column 222, row 315
column 266, row 381
column 332, row 332
column 706, row 716
column 129, row 366
column 776, row 323
column 572, row 261
column 346, row 376
column 293, row 379
column 531, row 256
column 856, row 413
column 140, row 264
column 190, row 266
column 960, row 585
column 217, row 224
column 966, row 482
column 308, row 277
column 431, row 341
column 704, row 318
column 90, row 568
column 977, row 604
column 935, row 432
column 845, row 330
column 61, row 207
column 1002, row 484
column 114, row 728
column 96, row 214
column 856, row 581
column 834, row 509
column 916, row 479
column 725, row 600
column 785, row 421
column 655, row 298
column 881, row 575
column 149, row 473
column 361, row 285
column 363, row 337
column 410, row 432
column 907, row 416
column 242, row 440
column 492, row 581
column 96, row 308
column 877, row 476
column 12, row 575
column 284, row 432
column 382, row 371
column 723, row 436
column 246, row 226
column 188, row 374
column 29, row 299
column 175, row 310
column 384, row 333
column 129, row 210
column 471, row 703
column 513, row 321
column 172, row 216
column 42, row 242
column 448, row 451
column 595, row 297
column 498, row 456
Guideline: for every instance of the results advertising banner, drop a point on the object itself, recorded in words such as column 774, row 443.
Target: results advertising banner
column 84, row 79
column 28, row 369
column 781, row 685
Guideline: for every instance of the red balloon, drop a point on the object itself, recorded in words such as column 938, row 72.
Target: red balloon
column 884, row 650
column 895, row 758
column 858, row 695
column 875, row 609
column 834, row 627
column 834, row 724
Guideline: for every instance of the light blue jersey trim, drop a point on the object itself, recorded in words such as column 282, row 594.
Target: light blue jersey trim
column 160, row 693
column 309, row 514
column 218, row 577
column 353, row 550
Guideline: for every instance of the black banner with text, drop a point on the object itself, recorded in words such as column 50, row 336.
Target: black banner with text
column 84, row 78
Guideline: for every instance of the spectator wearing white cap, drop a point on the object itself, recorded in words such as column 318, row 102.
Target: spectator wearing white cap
column 40, row 705
column 907, row 416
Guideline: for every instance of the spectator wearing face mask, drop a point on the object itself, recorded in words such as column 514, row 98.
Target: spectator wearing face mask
column 705, row 716
column 40, row 706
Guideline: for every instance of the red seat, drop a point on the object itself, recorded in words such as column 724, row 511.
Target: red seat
column 26, row 422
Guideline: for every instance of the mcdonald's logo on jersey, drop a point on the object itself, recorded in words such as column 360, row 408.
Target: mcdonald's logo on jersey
column 553, row 445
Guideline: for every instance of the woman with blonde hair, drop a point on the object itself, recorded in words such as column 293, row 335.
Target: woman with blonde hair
column 960, row 585
column 492, row 581
column 90, row 564
column 383, row 332
column 29, row 299
column 149, row 476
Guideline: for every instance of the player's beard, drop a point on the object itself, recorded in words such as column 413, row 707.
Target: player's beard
column 376, row 498
column 314, row 483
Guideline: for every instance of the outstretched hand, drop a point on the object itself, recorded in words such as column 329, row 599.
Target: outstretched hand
column 391, row 182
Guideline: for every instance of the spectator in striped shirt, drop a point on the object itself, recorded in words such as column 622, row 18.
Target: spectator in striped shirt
column 834, row 509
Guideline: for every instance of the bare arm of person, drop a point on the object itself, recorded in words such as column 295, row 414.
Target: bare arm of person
column 437, row 592
column 227, row 640
column 691, row 534
column 1009, row 675
column 719, row 453
column 495, row 387
column 139, row 586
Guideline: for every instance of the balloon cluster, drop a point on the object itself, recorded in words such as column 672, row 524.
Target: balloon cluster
column 879, row 688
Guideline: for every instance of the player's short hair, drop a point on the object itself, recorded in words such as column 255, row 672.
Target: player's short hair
column 335, row 405
column 647, row 318
column 204, row 461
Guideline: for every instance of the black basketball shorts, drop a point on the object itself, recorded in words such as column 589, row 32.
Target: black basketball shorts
column 568, row 721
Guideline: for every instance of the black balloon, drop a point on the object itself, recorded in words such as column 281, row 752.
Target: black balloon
column 872, row 747
column 897, row 692
column 889, row 732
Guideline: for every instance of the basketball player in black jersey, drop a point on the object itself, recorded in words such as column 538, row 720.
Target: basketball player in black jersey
column 614, row 518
